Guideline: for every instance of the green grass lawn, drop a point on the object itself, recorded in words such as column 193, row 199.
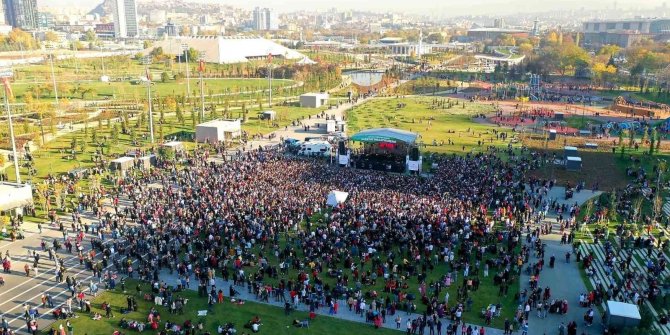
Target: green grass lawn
column 273, row 319
column 453, row 123
column 581, row 122
column 128, row 90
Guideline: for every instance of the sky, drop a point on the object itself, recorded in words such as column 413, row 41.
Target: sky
column 445, row 7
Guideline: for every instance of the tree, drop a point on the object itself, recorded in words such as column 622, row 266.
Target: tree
column 435, row 38
column 21, row 39
column 613, row 205
column 73, row 146
column 83, row 145
column 90, row 36
column 115, row 133
column 609, row 50
column 631, row 138
column 193, row 55
column 165, row 77
column 602, row 72
column 51, row 36
column 179, row 115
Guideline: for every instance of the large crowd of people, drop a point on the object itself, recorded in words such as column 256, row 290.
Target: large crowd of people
column 398, row 244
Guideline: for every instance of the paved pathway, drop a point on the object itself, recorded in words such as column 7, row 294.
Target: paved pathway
column 564, row 279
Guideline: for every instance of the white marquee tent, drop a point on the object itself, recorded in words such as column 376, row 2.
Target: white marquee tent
column 336, row 197
column 13, row 195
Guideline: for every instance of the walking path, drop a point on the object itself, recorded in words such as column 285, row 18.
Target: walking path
column 564, row 279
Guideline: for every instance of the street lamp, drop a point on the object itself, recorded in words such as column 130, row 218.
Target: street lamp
column 188, row 76
column 270, row 79
column 5, row 74
column 147, row 61
column 53, row 75
column 102, row 59
column 201, row 69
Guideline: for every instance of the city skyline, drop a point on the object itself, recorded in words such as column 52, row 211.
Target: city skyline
column 428, row 7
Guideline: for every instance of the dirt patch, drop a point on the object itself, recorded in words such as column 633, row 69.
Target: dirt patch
column 599, row 168
column 512, row 121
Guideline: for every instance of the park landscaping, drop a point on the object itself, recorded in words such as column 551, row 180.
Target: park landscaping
column 436, row 120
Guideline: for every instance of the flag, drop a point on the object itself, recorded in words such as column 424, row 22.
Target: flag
column 148, row 74
column 8, row 87
column 270, row 58
column 201, row 66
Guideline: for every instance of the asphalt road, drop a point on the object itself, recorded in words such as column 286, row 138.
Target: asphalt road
column 20, row 290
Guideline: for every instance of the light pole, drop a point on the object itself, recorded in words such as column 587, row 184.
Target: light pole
column 270, row 79
column 53, row 75
column 201, row 70
column 188, row 76
column 102, row 59
column 5, row 74
column 147, row 61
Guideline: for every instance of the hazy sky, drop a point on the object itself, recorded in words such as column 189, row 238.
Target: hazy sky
column 445, row 7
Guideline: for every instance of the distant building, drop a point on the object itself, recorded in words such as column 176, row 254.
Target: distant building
column 171, row 30
column 499, row 23
column 21, row 13
column 536, row 28
column 125, row 19
column 105, row 30
column 265, row 19
column 624, row 33
column 480, row 34
column 45, row 20
column 2, row 13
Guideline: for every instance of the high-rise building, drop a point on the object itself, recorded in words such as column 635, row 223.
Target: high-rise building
column 499, row 23
column 2, row 13
column 21, row 13
column 536, row 28
column 265, row 19
column 125, row 19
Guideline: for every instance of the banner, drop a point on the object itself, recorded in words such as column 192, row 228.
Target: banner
column 413, row 165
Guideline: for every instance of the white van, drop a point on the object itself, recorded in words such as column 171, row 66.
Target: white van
column 315, row 148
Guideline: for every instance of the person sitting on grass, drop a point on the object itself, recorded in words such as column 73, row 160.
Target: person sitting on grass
column 96, row 316
column 254, row 324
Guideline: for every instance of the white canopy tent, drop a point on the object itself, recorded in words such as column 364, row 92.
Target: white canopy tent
column 13, row 196
column 336, row 197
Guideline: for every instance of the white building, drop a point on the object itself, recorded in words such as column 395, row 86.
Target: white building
column 218, row 131
column 265, row 19
column 227, row 49
column 125, row 19
column 313, row 100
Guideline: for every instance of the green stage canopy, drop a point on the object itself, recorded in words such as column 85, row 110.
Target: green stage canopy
column 385, row 135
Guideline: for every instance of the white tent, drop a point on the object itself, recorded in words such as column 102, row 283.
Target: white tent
column 336, row 197
column 13, row 195
column 305, row 61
